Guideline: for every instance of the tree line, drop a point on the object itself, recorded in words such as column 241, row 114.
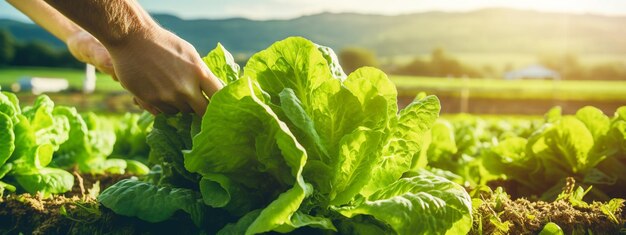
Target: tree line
column 440, row 63
column 33, row 53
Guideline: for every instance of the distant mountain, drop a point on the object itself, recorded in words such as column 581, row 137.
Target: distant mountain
column 485, row 31
column 29, row 32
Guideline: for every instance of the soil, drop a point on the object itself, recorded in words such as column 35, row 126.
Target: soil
column 500, row 215
column 77, row 213
column 84, row 182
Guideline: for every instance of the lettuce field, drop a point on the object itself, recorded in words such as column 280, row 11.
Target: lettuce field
column 294, row 145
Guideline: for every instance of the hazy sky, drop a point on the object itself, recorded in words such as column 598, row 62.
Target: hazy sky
column 272, row 9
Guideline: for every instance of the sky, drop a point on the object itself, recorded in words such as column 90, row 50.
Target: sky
column 282, row 9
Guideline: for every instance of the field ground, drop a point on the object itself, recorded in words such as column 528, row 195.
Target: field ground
column 525, row 97
column 516, row 89
column 499, row 61
column 74, row 76
column 478, row 96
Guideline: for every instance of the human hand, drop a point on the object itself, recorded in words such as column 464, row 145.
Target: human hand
column 88, row 49
column 164, row 72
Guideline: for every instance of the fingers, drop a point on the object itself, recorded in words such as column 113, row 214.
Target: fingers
column 100, row 57
column 178, row 106
column 209, row 83
column 198, row 103
column 162, row 107
column 146, row 106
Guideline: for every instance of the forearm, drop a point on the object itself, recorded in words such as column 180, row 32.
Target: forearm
column 47, row 17
column 110, row 21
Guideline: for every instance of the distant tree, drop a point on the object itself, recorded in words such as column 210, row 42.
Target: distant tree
column 445, row 65
column 7, row 44
column 35, row 53
column 65, row 59
column 417, row 67
column 567, row 65
column 608, row 71
column 440, row 64
column 489, row 71
column 352, row 58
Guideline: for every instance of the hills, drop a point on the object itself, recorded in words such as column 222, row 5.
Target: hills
column 483, row 31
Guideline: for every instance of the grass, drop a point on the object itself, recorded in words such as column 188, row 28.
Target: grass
column 499, row 61
column 75, row 77
column 407, row 85
column 516, row 89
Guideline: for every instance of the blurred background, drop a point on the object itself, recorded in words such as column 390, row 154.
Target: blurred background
column 481, row 56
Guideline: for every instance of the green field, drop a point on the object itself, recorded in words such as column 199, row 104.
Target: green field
column 75, row 77
column 499, row 61
column 516, row 89
column 407, row 85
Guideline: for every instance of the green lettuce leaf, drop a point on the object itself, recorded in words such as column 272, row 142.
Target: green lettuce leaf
column 404, row 142
column 76, row 148
column 148, row 202
column 333, row 62
column 167, row 140
column 222, row 64
column 8, row 138
column 442, row 145
column 45, row 180
column 9, row 105
column 424, row 204
column 595, row 121
column 244, row 140
column 130, row 134
column 47, row 127
column 368, row 84
column 359, row 154
column 294, row 63
column 571, row 142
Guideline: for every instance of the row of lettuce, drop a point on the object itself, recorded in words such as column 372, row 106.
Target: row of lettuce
column 294, row 144
column 535, row 155
column 41, row 144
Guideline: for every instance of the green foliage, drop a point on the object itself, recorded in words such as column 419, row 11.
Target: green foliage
column 538, row 156
column 353, row 58
column 222, row 64
column 135, row 198
column 42, row 141
column 30, row 136
column 7, row 50
column 33, row 52
column 131, row 132
column 294, row 143
column 551, row 229
column 430, row 203
column 440, row 64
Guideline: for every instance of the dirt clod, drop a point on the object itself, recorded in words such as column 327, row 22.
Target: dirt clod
column 498, row 214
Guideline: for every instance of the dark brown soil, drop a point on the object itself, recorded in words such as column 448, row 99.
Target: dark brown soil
column 498, row 214
column 84, row 182
column 77, row 213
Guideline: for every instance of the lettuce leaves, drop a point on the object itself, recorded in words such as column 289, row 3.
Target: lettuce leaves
column 587, row 146
column 29, row 138
column 293, row 142
column 41, row 142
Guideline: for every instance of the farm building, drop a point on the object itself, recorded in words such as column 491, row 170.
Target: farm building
column 532, row 72
column 38, row 85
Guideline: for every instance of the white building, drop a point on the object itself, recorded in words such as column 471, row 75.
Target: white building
column 532, row 72
column 39, row 85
